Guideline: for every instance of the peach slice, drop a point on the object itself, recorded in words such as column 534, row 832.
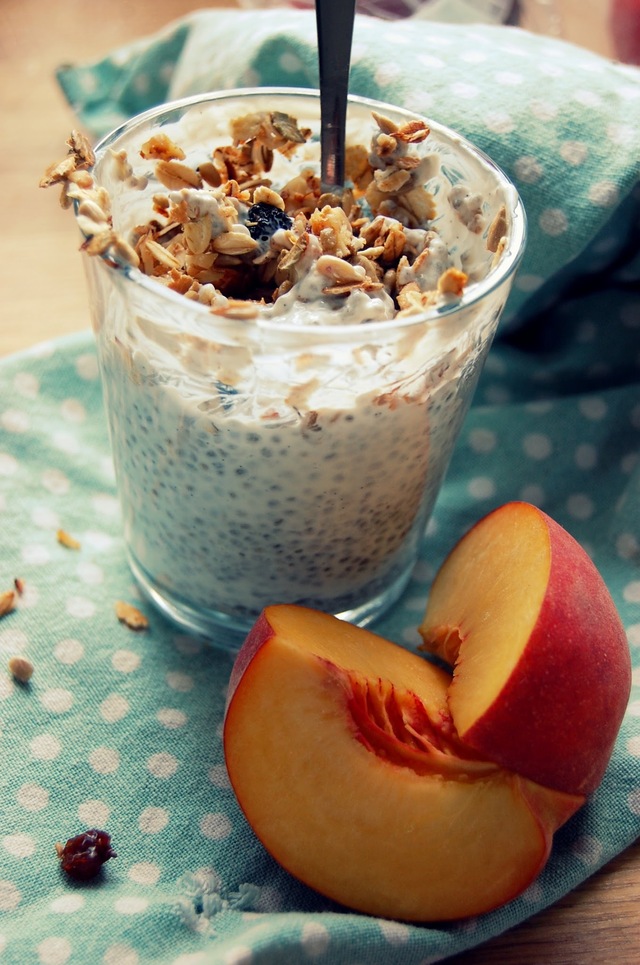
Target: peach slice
column 344, row 758
column 542, row 670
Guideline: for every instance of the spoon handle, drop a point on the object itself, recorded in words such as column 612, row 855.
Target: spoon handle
column 334, row 21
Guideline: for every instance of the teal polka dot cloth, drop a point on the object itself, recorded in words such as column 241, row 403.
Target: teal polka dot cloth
column 122, row 730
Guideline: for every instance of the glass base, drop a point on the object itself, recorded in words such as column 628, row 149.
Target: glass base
column 228, row 631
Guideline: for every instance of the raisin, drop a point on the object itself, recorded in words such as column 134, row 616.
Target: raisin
column 82, row 857
column 263, row 220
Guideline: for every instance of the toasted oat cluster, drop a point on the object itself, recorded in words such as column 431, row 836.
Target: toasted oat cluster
column 222, row 235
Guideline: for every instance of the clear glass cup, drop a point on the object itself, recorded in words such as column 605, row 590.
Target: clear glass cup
column 267, row 461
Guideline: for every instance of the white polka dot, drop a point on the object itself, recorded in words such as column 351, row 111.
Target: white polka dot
column 162, row 765
column 528, row 169
column 114, row 708
column 218, row 774
column 604, row 194
column 588, row 850
column 429, row 61
column 633, row 801
column 87, row 367
column 533, row 493
column 290, row 63
column 55, row 482
column 633, row 708
column 481, row 487
column 80, row 607
column 106, row 505
column 66, row 442
column 627, row 546
column 315, row 939
column 553, row 221
column 181, row 682
column 8, row 464
column 580, row 506
column 543, row 110
column 537, row 445
column 14, row 420
column 528, row 283
column 153, row 819
column 131, row 905
column 171, row 718
column 19, row 845
column 187, row 645
column 593, row 408
column 57, row 700
column 588, row 98
column 13, row 641
column 68, row 651
column 27, row 384
column 32, row 797
column 215, row 826
column 620, row 134
column 125, row 661
column 90, row 573
column 9, row 896
column 120, row 954
column 550, row 70
column 482, row 440
column 73, row 411
column 144, row 873
column 45, row 517
column 104, row 760
column 45, row 747
column 586, row 456
column 35, row 555
column 94, row 813
column 394, row 932
column 98, row 541
column 574, row 152
column 499, row 122
column 633, row 746
column 66, row 904
column 534, row 893
column 464, row 91
column 240, row 955
column 631, row 592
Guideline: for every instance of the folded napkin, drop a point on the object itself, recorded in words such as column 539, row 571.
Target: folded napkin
column 121, row 730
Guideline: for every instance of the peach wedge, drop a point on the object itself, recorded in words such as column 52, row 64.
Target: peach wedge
column 542, row 670
column 345, row 760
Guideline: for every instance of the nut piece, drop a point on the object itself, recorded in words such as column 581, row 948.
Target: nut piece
column 130, row 616
column 21, row 669
column 7, row 602
column 66, row 540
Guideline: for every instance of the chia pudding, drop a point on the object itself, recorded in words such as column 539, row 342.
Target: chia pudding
column 286, row 369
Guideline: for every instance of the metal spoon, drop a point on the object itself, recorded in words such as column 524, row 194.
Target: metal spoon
column 334, row 22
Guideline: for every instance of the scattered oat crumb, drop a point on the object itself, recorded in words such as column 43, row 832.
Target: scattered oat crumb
column 7, row 602
column 19, row 585
column 21, row 669
column 131, row 616
column 66, row 540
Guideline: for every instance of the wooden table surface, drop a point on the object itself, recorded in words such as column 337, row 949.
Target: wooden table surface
column 43, row 296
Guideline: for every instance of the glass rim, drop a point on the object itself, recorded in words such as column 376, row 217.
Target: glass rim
column 471, row 296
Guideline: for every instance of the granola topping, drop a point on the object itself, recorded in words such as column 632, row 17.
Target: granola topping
column 371, row 252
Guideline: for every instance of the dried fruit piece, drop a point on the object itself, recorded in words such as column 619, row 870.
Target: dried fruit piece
column 131, row 616
column 21, row 669
column 82, row 856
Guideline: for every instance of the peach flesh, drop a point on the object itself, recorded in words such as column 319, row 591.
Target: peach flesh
column 542, row 668
column 359, row 786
